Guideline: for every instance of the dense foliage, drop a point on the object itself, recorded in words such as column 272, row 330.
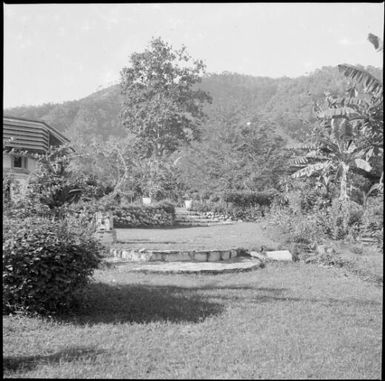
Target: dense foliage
column 46, row 264
column 247, row 199
column 49, row 252
column 245, row 110
column 131, row 215
column 314, row 142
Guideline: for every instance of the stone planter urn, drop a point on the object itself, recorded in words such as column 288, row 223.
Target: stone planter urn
column 146, row 200
column 188, row 204
column 105, row 231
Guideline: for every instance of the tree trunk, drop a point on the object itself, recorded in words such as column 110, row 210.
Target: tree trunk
column 344, row 182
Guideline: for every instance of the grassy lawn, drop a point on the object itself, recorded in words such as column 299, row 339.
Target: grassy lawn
column 246, row 234
column 283, row 321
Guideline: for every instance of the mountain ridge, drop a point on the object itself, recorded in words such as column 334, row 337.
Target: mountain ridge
column 285, row 101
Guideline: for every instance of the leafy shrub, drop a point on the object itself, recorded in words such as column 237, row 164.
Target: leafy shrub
column 373, row 219
column 327, row 259
column 205, row 195
column 247, row 199
column 250, row 214
column 24, row 208
column 134, row 215
column 246, row 206
column 309, row 200
column 166, row 205
column 202, row 207
column 234, row 212
column 215, row 198
column 305, row 229
column 302, row 228
column 342, row 219
column 46, row 264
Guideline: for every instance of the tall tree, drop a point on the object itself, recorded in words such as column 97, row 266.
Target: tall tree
column 161, row 106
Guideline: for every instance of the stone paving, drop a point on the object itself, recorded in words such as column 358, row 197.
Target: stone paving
column 213, row 250
column 135, row 255
column 236, row 265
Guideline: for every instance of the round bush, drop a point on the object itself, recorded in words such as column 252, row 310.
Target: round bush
column 45, row 265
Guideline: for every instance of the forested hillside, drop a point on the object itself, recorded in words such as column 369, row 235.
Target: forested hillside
column 249, row 122
column 237, row 98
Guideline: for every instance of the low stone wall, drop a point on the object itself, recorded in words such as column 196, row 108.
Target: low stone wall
column 143, row 215
column 132, row 255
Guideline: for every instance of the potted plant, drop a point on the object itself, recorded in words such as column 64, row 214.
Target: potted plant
column 146, row 200
column 147, row 191
column 187, row 201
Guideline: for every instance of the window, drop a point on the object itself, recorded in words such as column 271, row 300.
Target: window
column 19, row 162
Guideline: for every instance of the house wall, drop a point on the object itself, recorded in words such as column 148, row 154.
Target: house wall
column 20, row 176
column 32, row 164
column 6, row 161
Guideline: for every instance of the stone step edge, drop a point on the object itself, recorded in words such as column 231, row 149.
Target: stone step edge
column 197, row 220
column 135, row 255
column 208, row 223
column 199, row 271
column 200, row 219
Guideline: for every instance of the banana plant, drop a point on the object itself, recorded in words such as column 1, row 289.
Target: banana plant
column 365, row 108
column 335, row 154
column 370, row 84
column 375, row 187
column 352, row 128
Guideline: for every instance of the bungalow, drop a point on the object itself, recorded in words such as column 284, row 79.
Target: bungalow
column 30, row 136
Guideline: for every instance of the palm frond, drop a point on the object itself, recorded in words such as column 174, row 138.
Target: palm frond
column 300, row 160
column 376, row 41
column 305, row 147
column 363, row 77
column 363, row 164
column 310, row 169
column 329, row 145
column 339, row 112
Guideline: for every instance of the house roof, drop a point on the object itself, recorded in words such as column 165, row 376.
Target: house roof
column 30, row 134
column 51, row 129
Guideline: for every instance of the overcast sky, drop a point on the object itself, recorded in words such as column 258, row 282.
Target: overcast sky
column 60, row 52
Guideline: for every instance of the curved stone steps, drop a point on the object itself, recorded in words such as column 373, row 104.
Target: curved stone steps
column 231, row 266
column 126, row 254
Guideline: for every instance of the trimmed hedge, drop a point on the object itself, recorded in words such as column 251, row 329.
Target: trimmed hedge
column 221, row 210
column 127, row 216
column 45, row 265
column 249, row 199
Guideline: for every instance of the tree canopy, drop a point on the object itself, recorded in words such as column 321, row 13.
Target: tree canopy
column 160, row 106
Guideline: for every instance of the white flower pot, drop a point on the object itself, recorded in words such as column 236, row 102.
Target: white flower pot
column 188, row 204
column 146, row 200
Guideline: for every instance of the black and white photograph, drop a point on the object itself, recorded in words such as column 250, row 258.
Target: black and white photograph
column 193, row 190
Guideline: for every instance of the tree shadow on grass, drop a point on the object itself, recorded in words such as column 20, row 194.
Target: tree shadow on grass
column 322, row 301
column 28, row 363
column 255, row 294
column 140, row 303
